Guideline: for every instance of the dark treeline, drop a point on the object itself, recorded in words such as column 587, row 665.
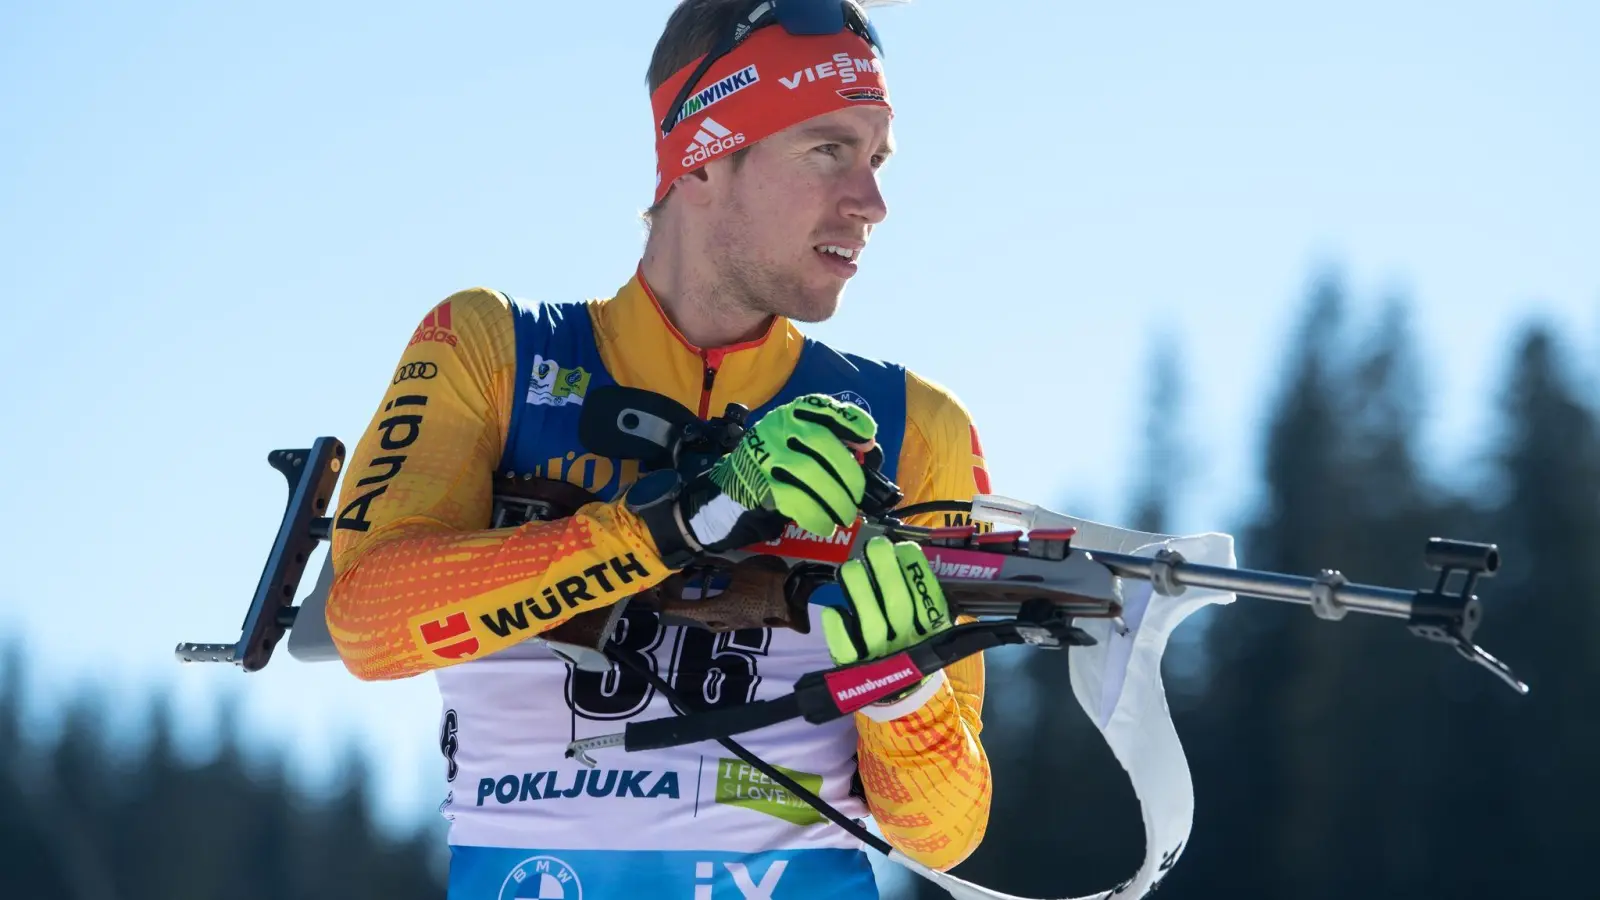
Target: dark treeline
column 1330, row 760
column 1352, row 759
column 88, row 818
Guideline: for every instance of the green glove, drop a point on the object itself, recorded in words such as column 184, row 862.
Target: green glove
column 895, row 602
column 797, row 463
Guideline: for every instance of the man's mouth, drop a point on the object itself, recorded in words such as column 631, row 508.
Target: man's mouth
column 848, row 254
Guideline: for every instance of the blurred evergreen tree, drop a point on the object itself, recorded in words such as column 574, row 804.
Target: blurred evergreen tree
column 1524, row 761
column 1310, row 729
column 91, row 820
column 1269, row 774
column 1164, row 462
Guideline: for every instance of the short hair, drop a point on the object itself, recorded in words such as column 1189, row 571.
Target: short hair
column 688, row 35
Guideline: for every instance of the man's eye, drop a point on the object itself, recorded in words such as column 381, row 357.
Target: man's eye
column 830, row 149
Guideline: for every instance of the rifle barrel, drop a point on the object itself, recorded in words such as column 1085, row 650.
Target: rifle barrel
column 1266, row 585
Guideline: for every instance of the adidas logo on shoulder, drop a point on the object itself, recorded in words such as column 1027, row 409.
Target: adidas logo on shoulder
column 710, row 140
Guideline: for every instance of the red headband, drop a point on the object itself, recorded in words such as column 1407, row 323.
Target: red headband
column 772, row 81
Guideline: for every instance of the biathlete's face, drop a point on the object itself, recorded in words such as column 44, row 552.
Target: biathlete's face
column 789, row 223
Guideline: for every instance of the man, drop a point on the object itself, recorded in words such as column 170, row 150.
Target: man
column 768, row 151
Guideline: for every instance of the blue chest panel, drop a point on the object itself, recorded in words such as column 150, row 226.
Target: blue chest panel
column 558, row 363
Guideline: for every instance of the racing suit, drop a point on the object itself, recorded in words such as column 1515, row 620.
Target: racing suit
column 490, row 383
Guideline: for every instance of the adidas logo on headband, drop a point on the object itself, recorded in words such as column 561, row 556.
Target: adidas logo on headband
column 711, row 139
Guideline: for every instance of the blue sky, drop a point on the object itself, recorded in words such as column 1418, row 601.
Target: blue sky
column 219, row 223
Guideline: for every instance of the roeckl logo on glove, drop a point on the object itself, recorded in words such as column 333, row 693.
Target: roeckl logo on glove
column 756, row 446
column 930, row 609
column 822, row 401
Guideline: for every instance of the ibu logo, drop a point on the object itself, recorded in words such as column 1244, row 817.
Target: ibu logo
column 542, row 878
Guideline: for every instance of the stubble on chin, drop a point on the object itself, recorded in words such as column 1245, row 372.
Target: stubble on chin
column 808, row 305
column 767, row 291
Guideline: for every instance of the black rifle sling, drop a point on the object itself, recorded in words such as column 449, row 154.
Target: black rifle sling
column 817, row 695
column 737, row 749
column 814, row 699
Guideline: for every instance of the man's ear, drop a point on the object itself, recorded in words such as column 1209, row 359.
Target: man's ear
column 697, row 187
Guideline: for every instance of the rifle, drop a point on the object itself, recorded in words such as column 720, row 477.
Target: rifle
column 1017, row 573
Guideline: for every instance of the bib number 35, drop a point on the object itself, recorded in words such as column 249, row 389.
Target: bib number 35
column 707, row 670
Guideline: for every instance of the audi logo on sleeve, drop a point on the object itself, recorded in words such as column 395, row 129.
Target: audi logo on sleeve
column 416, row 370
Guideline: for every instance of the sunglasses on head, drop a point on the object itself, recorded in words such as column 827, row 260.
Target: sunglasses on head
column 798, row 17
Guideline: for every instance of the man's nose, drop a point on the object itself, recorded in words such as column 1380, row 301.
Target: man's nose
column 863, row 199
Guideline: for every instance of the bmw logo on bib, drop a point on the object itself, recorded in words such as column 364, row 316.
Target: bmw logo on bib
column 542, row 878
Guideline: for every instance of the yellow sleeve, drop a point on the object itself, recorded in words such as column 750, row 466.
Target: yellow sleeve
column 925, row 774
column 420, row 582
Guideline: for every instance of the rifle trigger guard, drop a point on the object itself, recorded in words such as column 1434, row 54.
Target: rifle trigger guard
column 1162, row 576
column 1324, row 595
